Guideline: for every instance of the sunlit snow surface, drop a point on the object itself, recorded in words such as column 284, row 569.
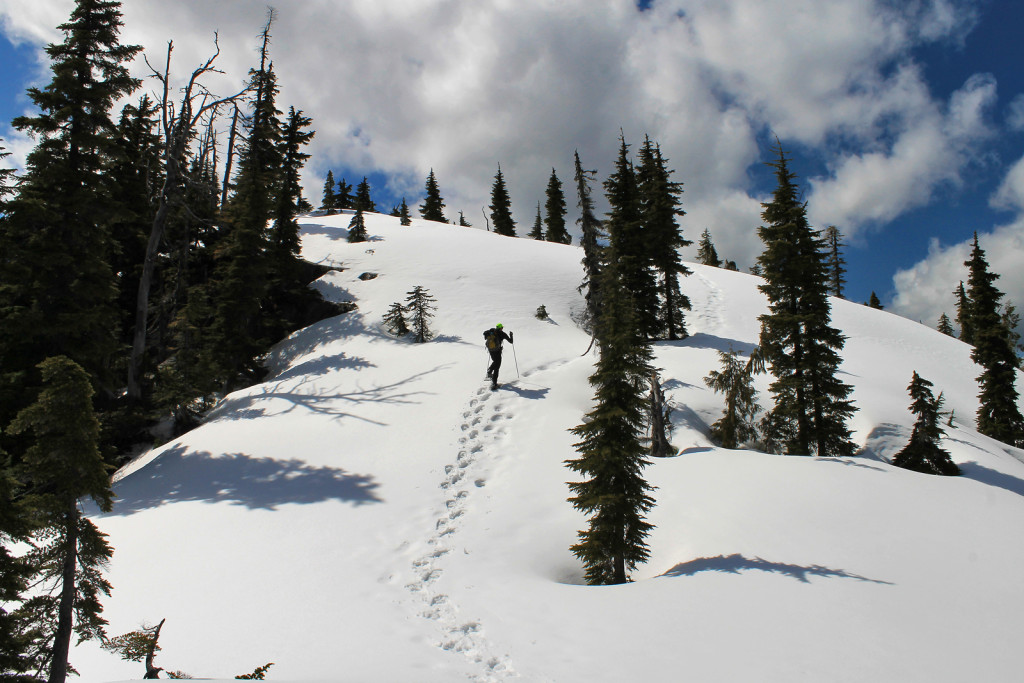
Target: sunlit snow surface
column 373, row 512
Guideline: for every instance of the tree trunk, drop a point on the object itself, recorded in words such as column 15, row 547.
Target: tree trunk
column 156, row 235
column 227, row 162
column 66, row 608
column 153, row 671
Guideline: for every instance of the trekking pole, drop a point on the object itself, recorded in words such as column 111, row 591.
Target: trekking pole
column 515, row 359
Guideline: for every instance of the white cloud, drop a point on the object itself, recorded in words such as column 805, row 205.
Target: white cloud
column 402, row 86
column 925, row 291
column 932, row 149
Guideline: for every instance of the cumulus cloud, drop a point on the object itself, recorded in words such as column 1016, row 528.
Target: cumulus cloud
column 402, row 86
column 925, row 291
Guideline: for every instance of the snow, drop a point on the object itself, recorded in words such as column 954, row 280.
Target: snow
column 372, row 512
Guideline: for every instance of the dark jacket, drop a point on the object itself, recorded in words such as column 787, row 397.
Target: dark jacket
column 497, row 337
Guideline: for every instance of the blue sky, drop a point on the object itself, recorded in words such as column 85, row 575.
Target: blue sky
column 904, row 119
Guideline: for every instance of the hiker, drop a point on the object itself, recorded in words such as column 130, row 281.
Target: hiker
column 493, row 339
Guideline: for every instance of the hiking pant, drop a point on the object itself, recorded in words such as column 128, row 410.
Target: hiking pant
column 492, row 371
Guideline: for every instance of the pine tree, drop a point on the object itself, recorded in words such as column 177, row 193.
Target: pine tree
column 1011, row 321
column 554, row 212
column 420, row 304
column 836, row 263
column 14, row 659
column 58, row 292
column 630, row 244
column 612, row 449
column 537, row 233
column 706, row 253
column 394, row 320
column 343, row 197
column 923, row 453
column 432, row 208
column 403, row 213
column 242, row 269
column 6, row 177
column 875, row 303
column 800, row 346
column 590, row 240
column 998, row 415
column 963, row 314
column 736, row 381
column 362, row 201
column 944, row 325
column 357, row 228
column 501, row 207
column 65, row 456
column 284, row 236
column 328, row 201
column 463, row 223
column 660, row 205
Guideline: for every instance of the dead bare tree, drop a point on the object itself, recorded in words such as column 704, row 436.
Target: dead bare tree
column 177, row 130
column 230, row 157
column 660, row 447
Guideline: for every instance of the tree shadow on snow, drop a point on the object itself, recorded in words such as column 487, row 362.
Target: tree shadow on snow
column 737, row 563
column 320, row 229
column 321, row 365
column 334, row 405
column 701, row 340
column 177, row 476
column 986, row 475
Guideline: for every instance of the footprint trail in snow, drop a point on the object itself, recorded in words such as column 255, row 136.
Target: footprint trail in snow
column 481, row 427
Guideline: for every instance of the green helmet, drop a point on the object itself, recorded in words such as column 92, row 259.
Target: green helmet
column 499, row 326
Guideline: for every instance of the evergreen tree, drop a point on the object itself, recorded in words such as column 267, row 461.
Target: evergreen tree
column 923, row 453
column 630, row 244
column 328, row 202
column 590, row 240
column 58, row 292
column 963, row 314
column 394, row 320
column 836, row 262
column 612, row 449
column 290, row 300
column 284, row 237
column 362, row 201
column 875, row 303
column 242, row 271
column 554, row 212
column 420, row 304
column 797, row 341
column 501, row 207
column 357, row 228
column 6, row 177
column 736, row 381
column 432, row 208
column 1011, row 321
column 537, row 233
column 998, row 415
column 659, row 199
column 403, row 213
column 706, row 253
column 65, row 455
column 944, row 325
column 343, row 197
column 14, row 660
column 463, row 222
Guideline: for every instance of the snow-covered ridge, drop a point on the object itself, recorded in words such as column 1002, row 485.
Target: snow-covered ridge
column 372, row 513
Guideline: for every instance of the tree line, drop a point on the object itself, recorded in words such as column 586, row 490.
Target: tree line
column 141, row 278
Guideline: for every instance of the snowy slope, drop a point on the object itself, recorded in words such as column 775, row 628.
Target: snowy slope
column 373, row 513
